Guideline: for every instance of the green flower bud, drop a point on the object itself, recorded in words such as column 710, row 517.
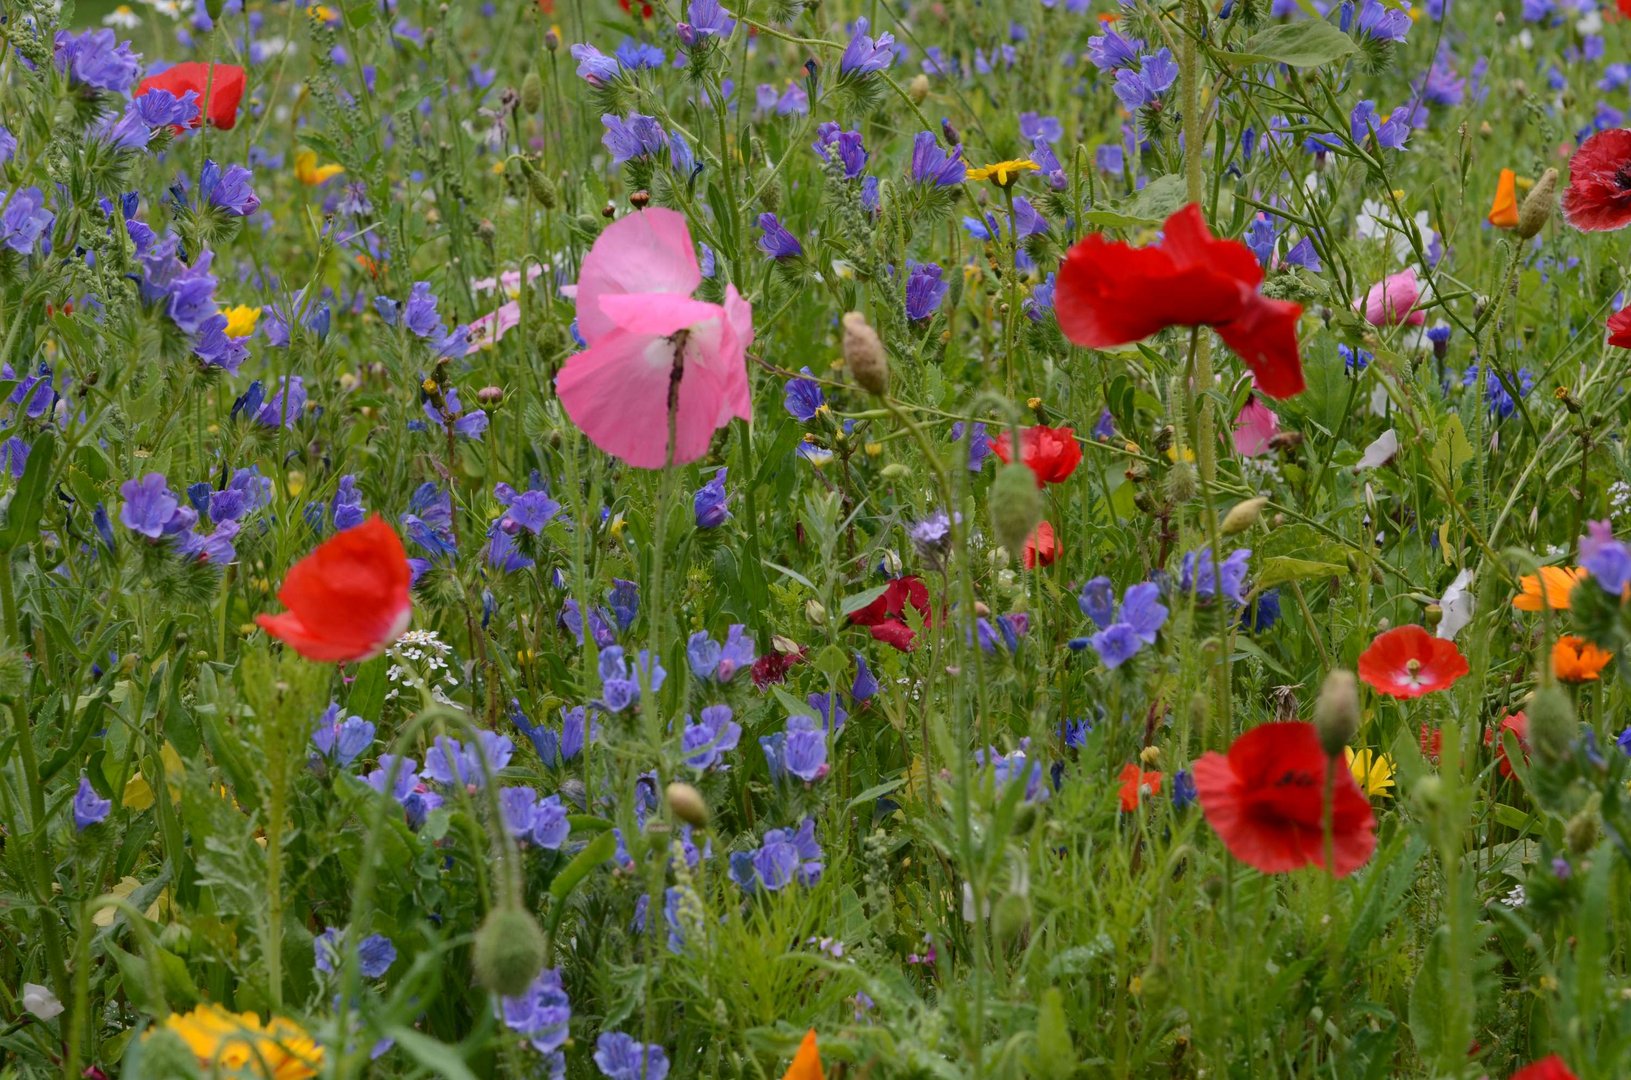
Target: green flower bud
column 1011, row 919
column 509, row 951
column 1016, row 506
column 1552, row 724
column 687, row 804
column 532, row 93
column 1336, row 713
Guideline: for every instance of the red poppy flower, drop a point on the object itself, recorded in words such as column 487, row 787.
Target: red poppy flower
column 1135, row 782
column 348, row 599
column 1518, row 724
column 1407, row 662
column 883, row 616
column 1109, row 294
column 1266, row 802
column 1432, row 743
column 223, row 96
column 1599, row 193
column 1625, row 8
column 1041, row 547
column 1051, row 453
column 1552, row 1067
column 772, row 667
column 1619, row 323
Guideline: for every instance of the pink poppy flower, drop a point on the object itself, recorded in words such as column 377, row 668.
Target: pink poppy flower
column 1254, row 427
column 486, row 331
column 1392, row 301
column 649, row 340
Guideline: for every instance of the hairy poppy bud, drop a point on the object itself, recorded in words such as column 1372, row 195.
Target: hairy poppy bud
column 509, row 951
column 918, row 88
column 687, row 804
column 1336, row 713
column 1016, row 505
column 1243, row 515
column 1011, row 919
column 864, row 354
column 1552, row 724
column 532, row 93
column 1585, row 828
column 1536, row 210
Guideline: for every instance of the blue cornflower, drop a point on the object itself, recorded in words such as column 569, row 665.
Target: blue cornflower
column 803, row 398
column 636, row 55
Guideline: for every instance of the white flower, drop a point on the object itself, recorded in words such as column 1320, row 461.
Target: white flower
column 1377, row 221
column 1456, row 606
column 1380, row 452
column 41, row 1001
column 1516, row 898
column 122, row 17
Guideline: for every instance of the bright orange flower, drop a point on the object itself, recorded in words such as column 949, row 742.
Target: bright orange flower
column 807, row 1062
column 1504, row 214
column 1576, row 660
column 1551, row 588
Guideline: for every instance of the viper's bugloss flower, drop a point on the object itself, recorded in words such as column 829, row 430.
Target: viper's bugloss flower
column 925, row 289
column 1606, row 559
column 711, row 660
column 623, row 1057
column 97, row 60
column 219, row 88
column 864, row 54
column 708, row 504
column 25, row 221
column 775, row 240
column 932, row 165
column 89, row 808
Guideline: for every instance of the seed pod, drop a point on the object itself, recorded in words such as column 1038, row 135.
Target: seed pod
column 1011, row 919
column 1553, row 726
column 864, row 354
column 687, row 804
column 1336, row 713
column 918, row 88
column 1536, row 210
column 1016, row 505
column 1243, row 515
column 532, row 93
column 509, row 951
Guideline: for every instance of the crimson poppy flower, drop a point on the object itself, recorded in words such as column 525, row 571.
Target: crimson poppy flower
column 1051, row 453
column 1041, row 547
column 1134, row 783
column 1619, row 324
column 773, row 666
column 1407, row 662
column 1109, row 293
column 223, row 96
column 348, row 599
column 883, row 616
column 1598, row 198
column 1552, row 1067
column 1266, row 802
column 1518, row 724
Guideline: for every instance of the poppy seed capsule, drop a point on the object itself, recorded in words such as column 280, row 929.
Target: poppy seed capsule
column 686, row 803
column 1536, row 210
column 1336, row 713
column 1553, row 726
column 918, row 88
column 532, row 93
column 864, row 354
column 1016, row 505
column 509, row 951
column 490, row 395
column 1243, row 515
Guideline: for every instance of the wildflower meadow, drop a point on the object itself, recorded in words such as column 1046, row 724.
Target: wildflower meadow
column 854, row 539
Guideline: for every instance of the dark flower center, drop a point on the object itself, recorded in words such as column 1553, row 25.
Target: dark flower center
column 1622, row 177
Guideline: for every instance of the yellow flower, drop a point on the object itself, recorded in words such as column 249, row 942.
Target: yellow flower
column 1550, row 588
column 138, row 793
column 238, row 1044
column 1373, row 771
column 308, row 172
column 294, row 482
column 1003, row 173
column 241, row 320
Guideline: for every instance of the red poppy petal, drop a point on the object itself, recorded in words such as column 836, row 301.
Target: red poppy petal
column 894, row 632
column 349, row 598
column 1265, row 337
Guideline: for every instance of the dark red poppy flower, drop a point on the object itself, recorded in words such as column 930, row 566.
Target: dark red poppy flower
column 1407, row 662
column 223, row 96
column 1041, row 547
column 1552, row 1067
column 1136, row 783
column 772, row 667
column 1518, row 724
column 883, row 616
column 1109, row 293
column 1266, row 802
column 1599, row 194
column 1051, row 453
column 347, row 600
column 1619, row 323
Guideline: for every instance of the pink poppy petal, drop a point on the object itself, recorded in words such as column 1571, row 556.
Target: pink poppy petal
column 645, row 252
column 617, row 392
column 1254, row 427
column 655, row 313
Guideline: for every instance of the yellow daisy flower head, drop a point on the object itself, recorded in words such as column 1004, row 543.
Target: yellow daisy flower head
column 238, row 1044
column 1372, row 771
column 241, row 320
column 1003, row 173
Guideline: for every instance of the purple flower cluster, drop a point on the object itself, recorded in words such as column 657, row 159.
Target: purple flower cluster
column 800, row 750
column 529, row 819
column 97, row 60
column 542, row 1015
column 1198, row 575
column 25, row 221
column 1123, row 631
column 419, row 317
column 785, row 856
column 623, row 1057
column 706, row 743
column 1017, row 765
column 449, row 761
column 714, row 661
column 620, row 683
column 834, row 143
column 151, row 509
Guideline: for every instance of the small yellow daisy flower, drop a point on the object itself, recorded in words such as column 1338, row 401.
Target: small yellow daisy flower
column 1003, row 173
column 241, row 320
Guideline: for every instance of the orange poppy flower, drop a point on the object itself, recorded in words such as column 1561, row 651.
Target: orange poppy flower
column 807, row 1062
column 1575, row 660
column 1550, row 588
column 1504, row 214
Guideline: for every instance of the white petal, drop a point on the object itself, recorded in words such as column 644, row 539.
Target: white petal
column 41, row 1001
column 1456, row 606
column 1380, row 452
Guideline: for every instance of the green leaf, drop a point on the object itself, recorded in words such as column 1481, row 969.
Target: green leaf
column 1153, row 204
column 438, row 1057
column 875, row 792
column 856, row 601
column 367, row 697
column 27, row 505
column 598, row 851
column 1311, row 43
column 1452, row 450
column 1283, row 568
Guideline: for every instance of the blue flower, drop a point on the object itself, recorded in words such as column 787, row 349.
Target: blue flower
column 594, row 66
column 636, row 55
column 803, row 397
column 448, row 761
column 375, row 955
column 89, row 808
column 710, row 659
column 1605, row 558
column 341, row 741
column 541, row 1015
column 1391, row 133
column 924, row 290
column 1198, row 575
column 1382, row 23
column 1183, row 789
column 979, row 445
column 637, row 137
column 97, row 59
column 149, row 507
column 620, row 684
column 1154, row 77
column 833, row 142
column 705, row 743
column 776, row 241
column 932, row 165
column 623, row 1057
column 865, row 55
column 1109, row 51
column 708, row 504
column 226, row 189
column 24, row 220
